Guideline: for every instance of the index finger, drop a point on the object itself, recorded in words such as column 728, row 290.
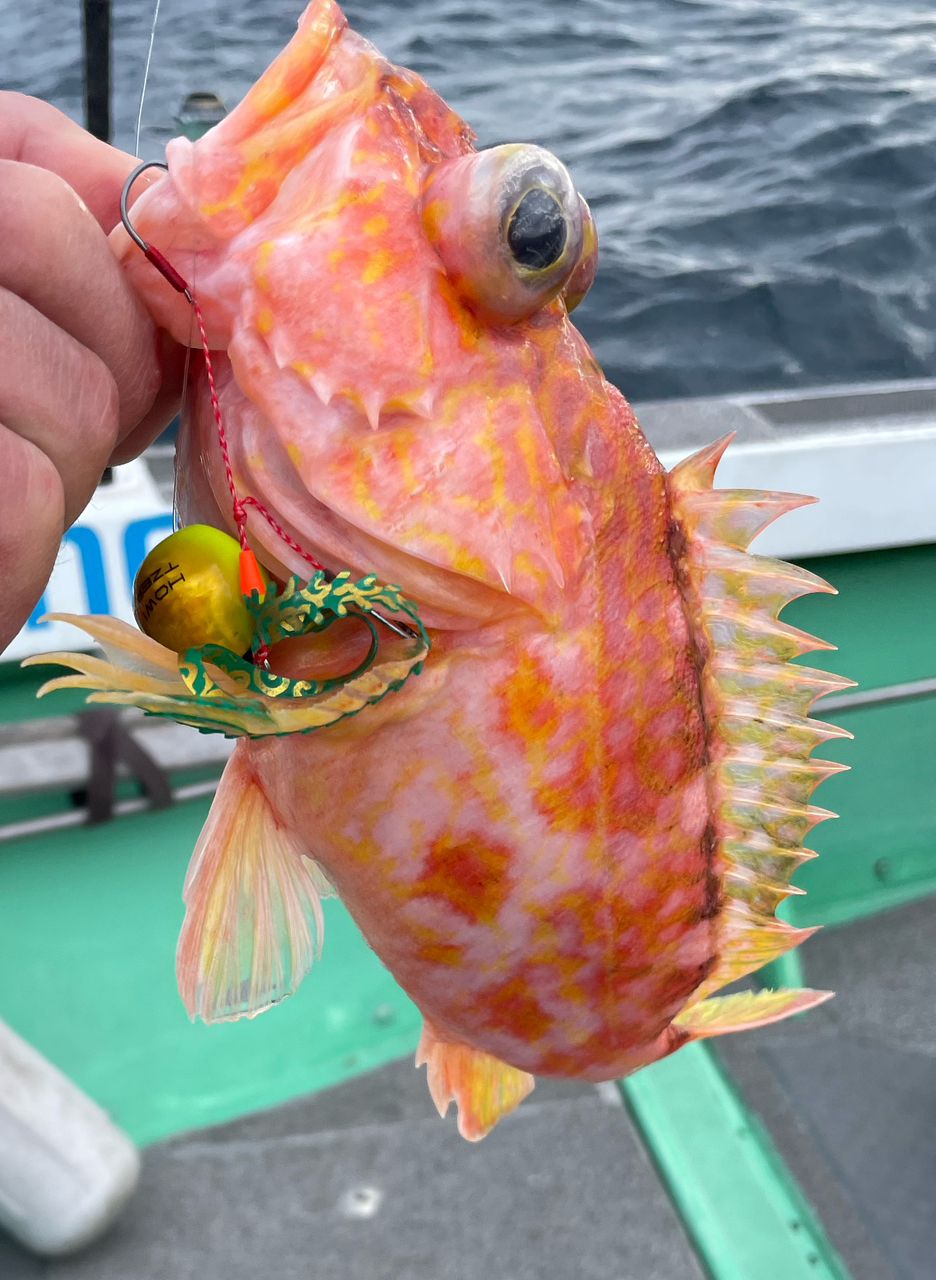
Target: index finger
column 38, row 134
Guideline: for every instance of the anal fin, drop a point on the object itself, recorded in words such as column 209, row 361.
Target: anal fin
column 722, row 1015
column 483, row 1088
column 254, row 922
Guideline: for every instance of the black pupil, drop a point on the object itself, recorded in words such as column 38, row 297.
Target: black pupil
column 537, row 231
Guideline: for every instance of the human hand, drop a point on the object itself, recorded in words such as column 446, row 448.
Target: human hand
column 85, row 378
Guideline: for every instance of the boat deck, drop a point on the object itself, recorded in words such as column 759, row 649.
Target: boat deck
column 849, row 1093
column 363, row 1180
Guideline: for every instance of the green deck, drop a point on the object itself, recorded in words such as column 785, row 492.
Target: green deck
column 881, row 853
column 89, row 962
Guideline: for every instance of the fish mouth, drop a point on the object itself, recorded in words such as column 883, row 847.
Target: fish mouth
column 452, row 610
column 304, row 531
column 447, row 600
column 316, row 534
column 462, row 588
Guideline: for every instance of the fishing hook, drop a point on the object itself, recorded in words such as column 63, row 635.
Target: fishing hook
column 162, row 265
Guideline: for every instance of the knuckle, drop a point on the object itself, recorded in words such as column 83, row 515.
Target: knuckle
column 25, row 190
column 21, row 114
column 40, row 496
column 49, row 492
column 9, row 312
column 97, row 407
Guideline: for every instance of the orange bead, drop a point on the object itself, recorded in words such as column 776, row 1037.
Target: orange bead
column 251, row 575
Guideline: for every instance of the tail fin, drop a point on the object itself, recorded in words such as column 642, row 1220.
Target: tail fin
column 254, row 921
column 756, row 703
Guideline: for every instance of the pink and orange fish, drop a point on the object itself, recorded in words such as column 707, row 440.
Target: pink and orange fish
column 575, row 826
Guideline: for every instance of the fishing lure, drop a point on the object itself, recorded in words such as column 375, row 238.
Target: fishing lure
column 575, row 826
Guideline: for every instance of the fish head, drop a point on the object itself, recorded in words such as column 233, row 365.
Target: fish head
column 409, row 394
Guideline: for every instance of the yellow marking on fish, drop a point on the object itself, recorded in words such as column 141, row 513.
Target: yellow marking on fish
column 265, row 321
column 469, row 330
column 269, row 101
column 404, row 457
column 403, row 403
column 465, row 561
column 270, row 150
column 250, row 181
column 361, row 486
column 530, row 443
column 442, row 954
column 434, row 214
column 486, row 441
column 376, row 225
column 527, row 566
column 460, row 558
column 379, row 264
column 330, row 212
column 264, row 254
column 486, row 778
column 345, row 200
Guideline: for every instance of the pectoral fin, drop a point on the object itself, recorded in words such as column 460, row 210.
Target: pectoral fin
column 720, row 1015
column 254, row 922
column 483, row 1088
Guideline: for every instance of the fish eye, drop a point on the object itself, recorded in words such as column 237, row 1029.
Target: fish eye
column 583, row 277
column 537, row 231
column 510, row 229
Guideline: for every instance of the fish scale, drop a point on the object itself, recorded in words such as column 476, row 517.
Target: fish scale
column 575, row 826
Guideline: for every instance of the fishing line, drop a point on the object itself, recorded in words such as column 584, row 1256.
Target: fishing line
column 186, row 370
column 250, row 570
column 251, row 577
column 146, row 75
column 239, row 504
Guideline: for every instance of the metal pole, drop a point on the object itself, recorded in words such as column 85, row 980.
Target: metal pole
column 97, row 64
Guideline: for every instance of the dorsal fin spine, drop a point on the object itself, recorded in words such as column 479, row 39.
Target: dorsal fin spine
column 756, row 703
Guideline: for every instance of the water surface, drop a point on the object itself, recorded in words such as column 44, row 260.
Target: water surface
column 763, row 171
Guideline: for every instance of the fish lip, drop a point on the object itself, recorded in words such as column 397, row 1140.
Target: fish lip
column 437, row 616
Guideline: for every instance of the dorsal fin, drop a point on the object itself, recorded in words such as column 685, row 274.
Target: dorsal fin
column 756, row 703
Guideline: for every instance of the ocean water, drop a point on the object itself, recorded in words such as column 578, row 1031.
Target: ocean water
column 763, row 172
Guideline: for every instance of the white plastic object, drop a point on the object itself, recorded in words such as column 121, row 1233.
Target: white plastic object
column 98, row 560
column 66, row 1170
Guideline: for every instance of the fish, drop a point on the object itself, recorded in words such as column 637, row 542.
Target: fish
column 572, row 829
